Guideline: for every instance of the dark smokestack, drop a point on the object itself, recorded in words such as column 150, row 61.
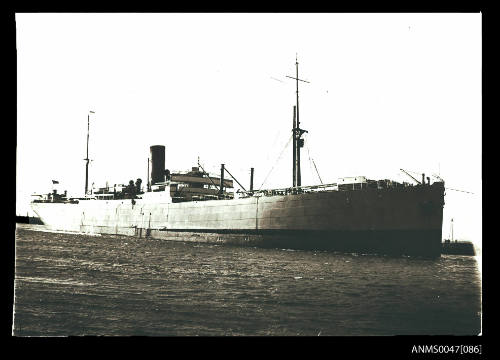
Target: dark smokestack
column 157, row 163
column 423, row 179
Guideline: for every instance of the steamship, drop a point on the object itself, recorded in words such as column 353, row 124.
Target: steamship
column 355, row 214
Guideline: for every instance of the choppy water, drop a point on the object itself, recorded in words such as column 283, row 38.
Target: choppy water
column 68, row 284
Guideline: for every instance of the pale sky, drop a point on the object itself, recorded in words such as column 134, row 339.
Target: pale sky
column 387, row 91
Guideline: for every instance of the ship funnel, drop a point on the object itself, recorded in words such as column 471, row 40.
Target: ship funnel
column 157, row 163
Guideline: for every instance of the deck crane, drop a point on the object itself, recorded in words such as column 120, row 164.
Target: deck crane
column 406, row 172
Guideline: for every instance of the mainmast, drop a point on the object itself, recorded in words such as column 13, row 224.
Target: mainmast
column 297, row 132
column 87, row 160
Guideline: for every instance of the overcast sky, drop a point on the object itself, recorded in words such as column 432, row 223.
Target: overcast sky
column 386, row 91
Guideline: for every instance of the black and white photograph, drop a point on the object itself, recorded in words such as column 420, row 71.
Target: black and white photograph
column 248, row 174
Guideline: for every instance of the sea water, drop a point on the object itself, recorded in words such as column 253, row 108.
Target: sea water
column 79, row 284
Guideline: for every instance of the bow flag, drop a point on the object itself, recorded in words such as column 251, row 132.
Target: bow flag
column 55, row 182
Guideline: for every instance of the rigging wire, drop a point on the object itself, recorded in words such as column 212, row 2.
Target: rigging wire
column 310, row 163
column 317, row 172
column 279, row 157
column 468, row 192
column 311, row 160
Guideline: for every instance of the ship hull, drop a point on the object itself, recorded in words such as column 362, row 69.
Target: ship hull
column 401, row 221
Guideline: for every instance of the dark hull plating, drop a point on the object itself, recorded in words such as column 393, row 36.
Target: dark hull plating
column 389, row 242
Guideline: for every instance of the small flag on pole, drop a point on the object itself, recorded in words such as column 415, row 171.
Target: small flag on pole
column 55, row 182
